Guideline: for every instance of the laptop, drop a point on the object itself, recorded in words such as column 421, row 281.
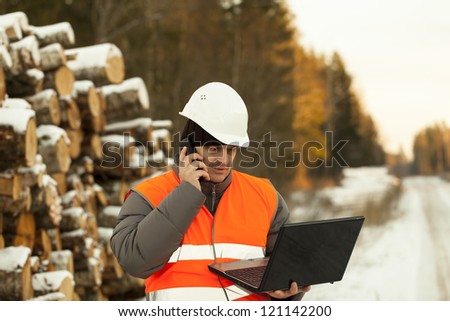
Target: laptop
column 308, row 253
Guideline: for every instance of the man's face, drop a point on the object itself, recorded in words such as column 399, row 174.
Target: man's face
column 219, row 159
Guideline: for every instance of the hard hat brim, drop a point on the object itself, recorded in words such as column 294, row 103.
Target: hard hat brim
column 227, row 139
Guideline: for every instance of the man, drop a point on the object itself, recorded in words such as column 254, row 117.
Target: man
column 172, row 226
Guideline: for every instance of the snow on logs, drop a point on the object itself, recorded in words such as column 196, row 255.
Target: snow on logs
column 54, row 148
column 61, row 33
column 5, row 56
column 25, row 55
column 59, row 107
column 33, row 57
column 129, row 97
column 15, row 25
column 15, row 273
column 103, row 64
column 46, row 105
column 139, row 128
column 46, row 204
column 18, row 140
column 55, row 285
column 57, row 74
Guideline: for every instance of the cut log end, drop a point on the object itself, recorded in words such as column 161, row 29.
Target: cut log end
column 64, row 80
column 30, row 143
column 2, row 86
column 115, row 70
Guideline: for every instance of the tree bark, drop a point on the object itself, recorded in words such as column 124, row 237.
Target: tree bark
column 162, row 140
column 59, row 32
column 124, row 288
column 46, row 106
column 107, row 216
column 31, row 176
column 54, row 148
column 55, row 237
column 46, row 205
column 74, row 183
column 54, row 282
column 72, row 219
column 19, row 230
column 23, row 203
column 88, row 102
column 112, row 270
column 26, row 84
column 70, row 114
column 91, row 227
column 139, row 128
column 52, row 57
column 103, row 64
column 18, row 142
column 25, row 55
column 92, row 146
column 115, row 190
column 62, row 260
column 16, row 281
column 90, row 276
column 75, row 241
column 126, row 100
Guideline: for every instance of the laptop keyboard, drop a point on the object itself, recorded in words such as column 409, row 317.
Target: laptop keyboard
column 251, row 275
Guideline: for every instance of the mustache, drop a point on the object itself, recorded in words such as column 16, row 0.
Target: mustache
column 217, row 164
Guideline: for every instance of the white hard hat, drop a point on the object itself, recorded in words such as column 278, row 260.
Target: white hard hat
column 219, row 110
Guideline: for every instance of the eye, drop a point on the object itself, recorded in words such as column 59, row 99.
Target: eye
column 212, row 149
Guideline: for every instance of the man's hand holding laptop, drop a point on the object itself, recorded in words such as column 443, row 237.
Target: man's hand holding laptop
column 293, row 290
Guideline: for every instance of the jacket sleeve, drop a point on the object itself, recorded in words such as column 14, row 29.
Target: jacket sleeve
column 145, row 237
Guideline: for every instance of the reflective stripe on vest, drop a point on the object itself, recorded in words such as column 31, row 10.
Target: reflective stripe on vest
column 198, row 294
column 241, row 224
column 206, row 252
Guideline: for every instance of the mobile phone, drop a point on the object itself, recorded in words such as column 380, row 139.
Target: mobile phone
column 187, row 143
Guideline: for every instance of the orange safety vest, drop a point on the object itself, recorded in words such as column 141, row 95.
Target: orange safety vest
column 241, row 224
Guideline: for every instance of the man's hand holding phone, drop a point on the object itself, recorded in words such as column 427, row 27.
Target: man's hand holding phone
column 192, row 169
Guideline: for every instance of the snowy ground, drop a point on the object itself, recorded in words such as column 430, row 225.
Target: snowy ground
column 408, row 258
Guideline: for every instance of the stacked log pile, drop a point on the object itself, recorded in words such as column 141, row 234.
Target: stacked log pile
column 75, row 135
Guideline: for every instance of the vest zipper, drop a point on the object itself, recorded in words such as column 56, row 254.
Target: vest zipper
column 213, row 199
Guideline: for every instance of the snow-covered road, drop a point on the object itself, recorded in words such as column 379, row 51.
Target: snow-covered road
column 406, row 259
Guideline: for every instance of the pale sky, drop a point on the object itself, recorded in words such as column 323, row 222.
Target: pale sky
column 398, row 53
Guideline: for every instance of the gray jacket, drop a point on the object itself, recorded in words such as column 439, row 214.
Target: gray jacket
column 145, row 236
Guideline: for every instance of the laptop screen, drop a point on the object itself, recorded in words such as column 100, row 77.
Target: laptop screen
column 312, row 252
